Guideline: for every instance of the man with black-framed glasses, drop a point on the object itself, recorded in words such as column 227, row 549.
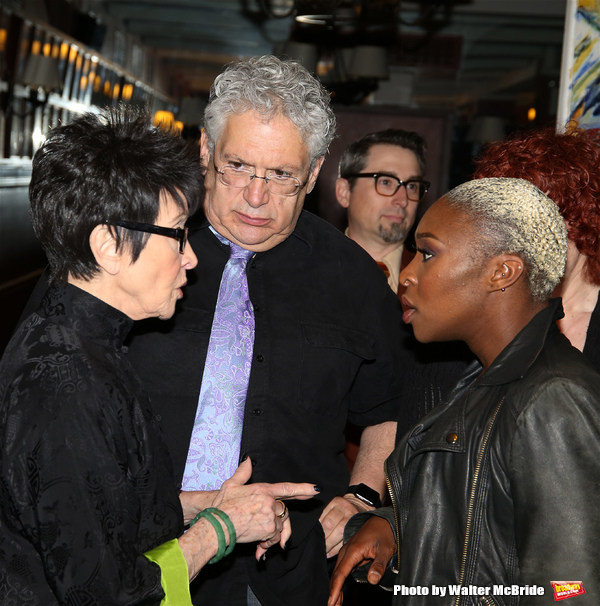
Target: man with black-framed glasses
column 381, row 184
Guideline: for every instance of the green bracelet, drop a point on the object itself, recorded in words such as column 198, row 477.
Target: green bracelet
column 208, row 514
column 218, row 529
column 230, row 527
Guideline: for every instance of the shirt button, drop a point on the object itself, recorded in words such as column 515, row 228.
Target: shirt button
column 256, row 308
column 254, row 462
column 452, row 438
column 260, row 358
column 256, row 411
column 253, row 265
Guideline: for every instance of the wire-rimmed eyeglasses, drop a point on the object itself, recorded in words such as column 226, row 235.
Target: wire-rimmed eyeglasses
column 176, row 233
column 388, row 185
column 277, row 181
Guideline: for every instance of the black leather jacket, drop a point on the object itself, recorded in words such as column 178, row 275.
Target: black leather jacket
column 501, row 486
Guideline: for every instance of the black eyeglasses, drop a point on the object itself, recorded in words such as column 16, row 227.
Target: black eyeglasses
column 388, row 185
column 180, row 234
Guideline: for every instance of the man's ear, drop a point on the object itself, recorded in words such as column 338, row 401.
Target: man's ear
column 204, row 151
column 314, row 173
column 342, row 192
column 104, row 249
column 505, row 271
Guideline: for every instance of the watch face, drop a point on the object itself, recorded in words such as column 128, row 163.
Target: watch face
column 365, row 493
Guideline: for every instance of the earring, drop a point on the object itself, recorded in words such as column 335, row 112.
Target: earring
column 406, row 282
column 503, row 275
column 503, row 289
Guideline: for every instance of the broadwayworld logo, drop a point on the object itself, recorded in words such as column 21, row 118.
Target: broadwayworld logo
column 567, row 589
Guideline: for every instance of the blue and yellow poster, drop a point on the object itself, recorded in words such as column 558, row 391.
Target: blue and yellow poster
column 580, row 77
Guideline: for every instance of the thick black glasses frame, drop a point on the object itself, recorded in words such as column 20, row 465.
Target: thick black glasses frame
column 422, row 190
column 176, row 233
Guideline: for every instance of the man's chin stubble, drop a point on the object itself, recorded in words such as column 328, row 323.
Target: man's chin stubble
column 395, row 234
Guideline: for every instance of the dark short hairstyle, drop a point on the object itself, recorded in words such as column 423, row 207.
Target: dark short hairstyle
column 103, row 168
column 565, row 166
column 355, row 156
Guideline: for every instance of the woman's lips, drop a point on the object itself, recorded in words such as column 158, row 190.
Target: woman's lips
column 408, row 309
column 180, row 289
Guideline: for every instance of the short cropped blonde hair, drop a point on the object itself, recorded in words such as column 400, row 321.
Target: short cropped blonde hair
column 513, row 216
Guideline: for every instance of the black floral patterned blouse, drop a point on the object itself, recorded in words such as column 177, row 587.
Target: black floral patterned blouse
column 85, row 482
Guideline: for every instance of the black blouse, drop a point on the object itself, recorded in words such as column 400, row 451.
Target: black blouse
column 86, row 486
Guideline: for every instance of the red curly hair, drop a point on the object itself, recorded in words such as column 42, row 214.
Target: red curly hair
column 564, row 166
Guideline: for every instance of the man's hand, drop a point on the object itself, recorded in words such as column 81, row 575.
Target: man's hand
column 373, row 542
column 334, row 519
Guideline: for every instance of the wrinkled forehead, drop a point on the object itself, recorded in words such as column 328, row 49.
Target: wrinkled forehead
column 253, row 135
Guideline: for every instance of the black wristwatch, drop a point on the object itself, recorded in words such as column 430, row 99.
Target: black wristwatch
column 366, row 494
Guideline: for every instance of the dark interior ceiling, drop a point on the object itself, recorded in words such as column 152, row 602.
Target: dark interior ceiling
column 442, row 53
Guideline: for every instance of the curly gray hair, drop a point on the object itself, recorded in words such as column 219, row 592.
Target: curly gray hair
column 513, row 216
column 268, row 85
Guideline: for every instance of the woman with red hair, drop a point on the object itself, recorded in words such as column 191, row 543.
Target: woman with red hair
column 566, row 166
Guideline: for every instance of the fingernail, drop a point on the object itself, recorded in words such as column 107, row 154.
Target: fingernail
column 285, row 546
column 244, row 457
column 263, row 557
column 317, row 488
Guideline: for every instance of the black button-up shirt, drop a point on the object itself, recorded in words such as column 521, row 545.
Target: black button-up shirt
column 327, row 350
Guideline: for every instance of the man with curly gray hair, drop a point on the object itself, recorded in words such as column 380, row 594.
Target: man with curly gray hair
column 312, row 343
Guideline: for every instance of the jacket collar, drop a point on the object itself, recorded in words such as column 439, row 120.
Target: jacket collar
column 92, row 319
column 510, row 365
column 515, row 359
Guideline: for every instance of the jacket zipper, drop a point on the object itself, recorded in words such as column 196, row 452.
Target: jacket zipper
column 474, row 483
column 396, row 513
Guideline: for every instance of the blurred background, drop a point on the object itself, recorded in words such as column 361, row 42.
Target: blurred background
column 460, row 72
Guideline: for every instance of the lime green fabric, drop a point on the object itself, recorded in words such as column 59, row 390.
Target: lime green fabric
column 173, row 573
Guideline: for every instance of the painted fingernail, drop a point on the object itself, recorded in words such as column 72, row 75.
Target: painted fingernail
column 244, row 457
column 317, row 488
column 263, row 557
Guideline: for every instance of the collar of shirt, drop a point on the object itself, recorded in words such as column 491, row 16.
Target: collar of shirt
column 91, row 318
column 392, row 261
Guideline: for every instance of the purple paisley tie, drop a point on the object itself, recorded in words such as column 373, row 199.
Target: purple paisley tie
column 215, row 445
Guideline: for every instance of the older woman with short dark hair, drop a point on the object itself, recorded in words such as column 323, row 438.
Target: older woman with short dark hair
column 90, row 511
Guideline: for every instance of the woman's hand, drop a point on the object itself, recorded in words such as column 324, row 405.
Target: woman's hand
column 373, row 542
column 193, row 501
column 254, row 509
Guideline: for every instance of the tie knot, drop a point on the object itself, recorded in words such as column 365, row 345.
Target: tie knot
column 237, row 252
column 384, row 267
